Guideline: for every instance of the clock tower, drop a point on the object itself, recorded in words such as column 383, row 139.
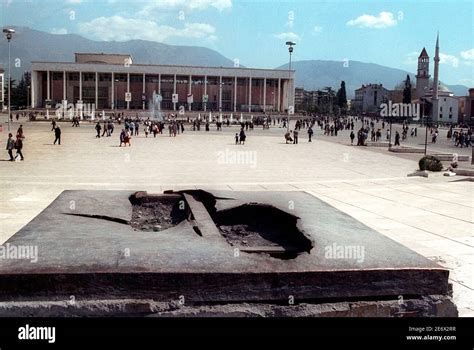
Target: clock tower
column 423, row 74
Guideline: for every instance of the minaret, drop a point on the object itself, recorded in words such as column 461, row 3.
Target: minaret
column 422, row 75
column 434, row 100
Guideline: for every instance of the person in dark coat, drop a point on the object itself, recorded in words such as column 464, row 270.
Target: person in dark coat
column 57, row 134
column 19, row 147
column 242, row 136
column 397, row 139
column 10, row 146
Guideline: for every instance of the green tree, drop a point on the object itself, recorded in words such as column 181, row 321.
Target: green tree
column 12, row 82
column 407, row 90
column 341, row 98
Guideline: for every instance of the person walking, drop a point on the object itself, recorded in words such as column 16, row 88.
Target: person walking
column 57, row 134
column 105, row 129
column 295, row 136
column 242, row 136
column 19, row 132
column 98, row 128
column 10, row 146
column 397, row 139
column 19, row 147
column 352, row 136
column 310, row 133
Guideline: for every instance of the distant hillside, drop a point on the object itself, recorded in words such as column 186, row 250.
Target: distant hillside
column 318, row 74
column 33, row 45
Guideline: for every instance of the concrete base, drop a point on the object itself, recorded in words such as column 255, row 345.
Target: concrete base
column 89, row 250
column 406, row 150
column 428, row 306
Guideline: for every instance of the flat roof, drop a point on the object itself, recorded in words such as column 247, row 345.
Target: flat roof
column 167, row 65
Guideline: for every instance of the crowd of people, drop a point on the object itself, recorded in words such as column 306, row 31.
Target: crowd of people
column 370, row 128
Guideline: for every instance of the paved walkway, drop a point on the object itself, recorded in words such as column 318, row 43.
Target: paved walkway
column 433, row 216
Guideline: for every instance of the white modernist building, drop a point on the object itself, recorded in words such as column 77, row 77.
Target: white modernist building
column 114, row 81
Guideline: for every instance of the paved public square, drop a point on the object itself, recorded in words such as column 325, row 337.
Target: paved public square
column 432, row 216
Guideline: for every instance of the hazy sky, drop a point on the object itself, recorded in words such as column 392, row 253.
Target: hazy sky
column 390, row 33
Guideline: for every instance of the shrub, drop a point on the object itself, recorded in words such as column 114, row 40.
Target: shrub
column 430, row 163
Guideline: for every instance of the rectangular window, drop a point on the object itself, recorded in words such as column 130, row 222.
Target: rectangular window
column 134, row 78
column 88, row 76
column 57, row 75
column 73, row 77
column 121, row 77
column 105, row 77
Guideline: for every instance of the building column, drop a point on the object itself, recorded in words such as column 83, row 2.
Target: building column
column 33, row 88
column 64, row 86
column 264, row 94
column 96, row 90
column 220, row 94
column 113, row 92
column 279, row 95
column 143, row 92
column 250, row 94
column 190, row 90
column 235, row 94
column 159, row 84
column 205, row 91
column 48, row 85
column 128, row 88
column 174, row 91
column 80, row 86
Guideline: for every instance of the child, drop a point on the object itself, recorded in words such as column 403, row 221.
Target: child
column 236, row 138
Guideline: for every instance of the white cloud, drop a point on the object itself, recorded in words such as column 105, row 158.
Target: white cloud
column 183, row 5
column 382, row 20
column 468, row 55
column 60, row 31
column 317, row 29
column 411, row 58
column 289, row 36
column 448, row 59
column 121, row 29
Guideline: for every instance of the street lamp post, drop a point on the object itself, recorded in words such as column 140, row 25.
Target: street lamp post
column 9, row 34
column 28, row 97
column 116, row 98
column 290, row 45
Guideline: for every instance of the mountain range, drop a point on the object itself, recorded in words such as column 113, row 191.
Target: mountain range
column 317, row 74
column 34, row 45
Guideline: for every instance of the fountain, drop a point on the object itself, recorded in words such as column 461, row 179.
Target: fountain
column 155, row 112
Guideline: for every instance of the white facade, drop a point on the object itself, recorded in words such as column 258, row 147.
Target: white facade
column 2, row 89
column 448, row 109
column 228, row 88
column 369, row 97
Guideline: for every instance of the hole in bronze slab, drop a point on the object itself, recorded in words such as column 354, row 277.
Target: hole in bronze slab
column 157, row 212
column 260, row 228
